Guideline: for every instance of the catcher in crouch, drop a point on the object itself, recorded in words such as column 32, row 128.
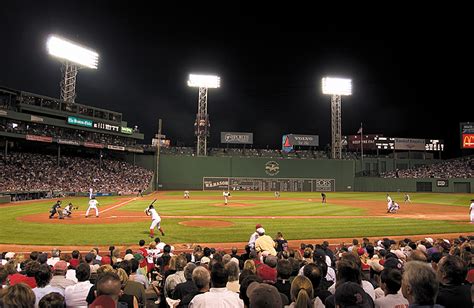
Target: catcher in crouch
column 155, row 219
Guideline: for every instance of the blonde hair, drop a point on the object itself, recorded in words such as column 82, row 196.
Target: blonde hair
column 152, row 245
column 301, row 292
column 106, row 268
column 250, row 265
column 123, row 277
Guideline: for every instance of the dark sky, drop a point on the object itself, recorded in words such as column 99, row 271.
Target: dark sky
column 407, row 64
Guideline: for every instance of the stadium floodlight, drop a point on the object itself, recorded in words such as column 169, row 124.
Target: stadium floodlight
column 336, row 87
column 204, row 81
column 74, row 57
column 202, row 125
column 73, row 52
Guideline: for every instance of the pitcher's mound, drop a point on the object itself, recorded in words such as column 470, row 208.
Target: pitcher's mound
column 206, row 223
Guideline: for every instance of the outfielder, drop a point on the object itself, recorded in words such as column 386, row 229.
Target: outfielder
column 186, row 194
column 226, row 195
column 93, row 205
column 155, row 220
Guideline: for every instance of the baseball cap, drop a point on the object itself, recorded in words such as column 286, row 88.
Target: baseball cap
column 263, row 295
column 393, row 263
column 351, row 294
column 360, row 251
column 258, row 226
column 205, row 260
column 267, row 274
column 128, row 257
column 9, row 255
column 60, row 265
column 105, row 260
column 429, row 239
column 261, row 230
column 138, row 257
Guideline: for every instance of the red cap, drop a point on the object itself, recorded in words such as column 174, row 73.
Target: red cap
column 105, row 260
column 74, row 262
column 103, row 301
column 360, row 251
column 258, row 226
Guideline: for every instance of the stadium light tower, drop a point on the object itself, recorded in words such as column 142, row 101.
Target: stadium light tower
column 336, row 87
column 74, row 57
column 201, row 126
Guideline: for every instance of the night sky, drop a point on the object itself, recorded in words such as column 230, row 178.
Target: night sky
column 408, row 65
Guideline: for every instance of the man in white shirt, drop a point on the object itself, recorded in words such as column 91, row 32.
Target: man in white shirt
column 76, row 295
column 43, row 287
column 93, row 205
column 391, row 282
column 226, row 195
column 218, row 295
column 254, row 237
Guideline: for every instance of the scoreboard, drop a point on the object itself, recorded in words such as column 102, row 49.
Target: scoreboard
column 268, row 184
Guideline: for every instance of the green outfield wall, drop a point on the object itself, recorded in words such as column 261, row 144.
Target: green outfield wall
column 187, row 172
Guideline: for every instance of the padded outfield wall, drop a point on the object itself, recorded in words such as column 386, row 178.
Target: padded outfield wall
column 187, row 172
column 414, row 185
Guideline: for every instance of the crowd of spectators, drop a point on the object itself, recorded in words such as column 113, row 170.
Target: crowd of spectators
column 38, row 172
column 456, row 168
column 56, row 132
column 269, row 273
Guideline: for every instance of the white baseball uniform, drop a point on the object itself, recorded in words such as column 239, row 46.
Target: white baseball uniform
column 90, row 193
column 471, row 210
column 389, row 199
column 93, row 205
column 155, row 218
column 226, row 196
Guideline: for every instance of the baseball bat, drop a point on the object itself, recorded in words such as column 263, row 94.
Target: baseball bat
column 152, row 202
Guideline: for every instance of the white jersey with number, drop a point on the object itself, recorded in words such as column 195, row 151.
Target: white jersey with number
column 93, row 203
column 225, row 194
column 389, row 199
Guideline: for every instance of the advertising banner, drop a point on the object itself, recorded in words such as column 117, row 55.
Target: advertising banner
column 237, row 138
column 353, row 142
column 467, row 141
column 135, row 150
column 210, row 183
column 126, row 130
column 115, row 147
column 410, row 144
column 93, row 145
column 79, row 121
column 105, row 126
column 70, row 142
column 39, row 138
column 304, row 140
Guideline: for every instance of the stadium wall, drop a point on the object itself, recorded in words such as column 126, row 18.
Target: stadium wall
column 369, row 184
column 187, row 172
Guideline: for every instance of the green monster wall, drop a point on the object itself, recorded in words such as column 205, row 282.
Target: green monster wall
column 187, row 172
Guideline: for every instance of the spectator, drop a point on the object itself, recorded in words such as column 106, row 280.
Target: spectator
column 19, row 295
column 43, row 277
column 109, row 288
column 419, row 284
column 52, row 300
column 201, row 279
column 453, row 292
column 391, row 282
column 76, row 295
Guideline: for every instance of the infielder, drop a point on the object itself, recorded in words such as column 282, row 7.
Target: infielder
column 155, row 220
column 93, row 205
column 407, row 198
column 471, row 211
column 393, row 207
column 389, row 199
column 186, row 194
column 226, row 195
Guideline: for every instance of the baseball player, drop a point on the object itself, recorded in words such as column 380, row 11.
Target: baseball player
column 93, row 205
column 155, row 220
column 323, row 197
column 471, row 211
column 226, row 195
column 393, row 207
column 67, row 211
column 277, row 194
column 90, row 193
column 55, row 209
column 186, row 194
column 407, row 198
column 389, row 199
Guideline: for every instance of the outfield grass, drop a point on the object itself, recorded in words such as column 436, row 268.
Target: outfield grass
column 14, row 231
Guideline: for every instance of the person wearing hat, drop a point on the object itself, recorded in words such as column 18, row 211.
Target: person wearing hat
column 93, row 205
column 254, row 237
column 59, row 276
column 471, row 211
column 351, row 294
column 265, row 243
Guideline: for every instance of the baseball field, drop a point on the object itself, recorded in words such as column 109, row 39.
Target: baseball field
column 205, row 219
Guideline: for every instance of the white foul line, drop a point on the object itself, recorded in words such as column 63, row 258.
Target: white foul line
column 115, row 206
